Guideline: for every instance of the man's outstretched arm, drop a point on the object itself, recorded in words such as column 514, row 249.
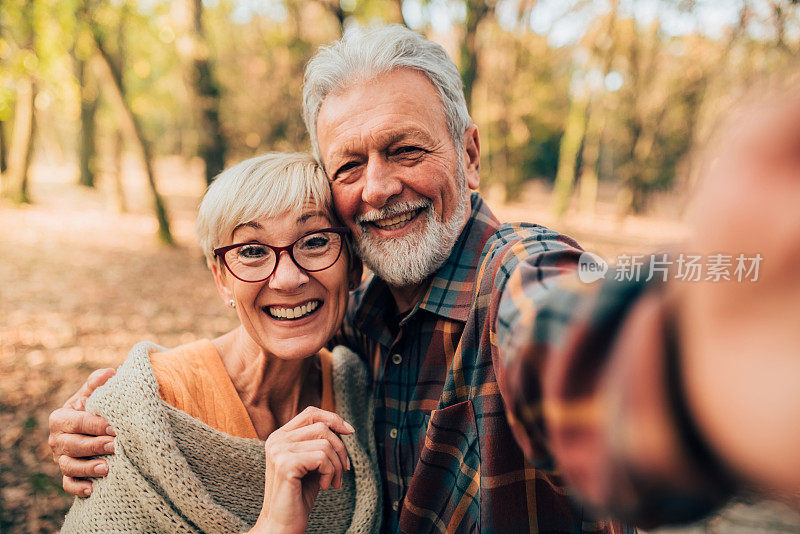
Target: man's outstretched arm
column 592, row 389
column 656, row 400
column 76, row 434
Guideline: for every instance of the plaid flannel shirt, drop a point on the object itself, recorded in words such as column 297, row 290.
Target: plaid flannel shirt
column 446, row 446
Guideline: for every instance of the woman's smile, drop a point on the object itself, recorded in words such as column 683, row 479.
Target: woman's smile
column 296, row 312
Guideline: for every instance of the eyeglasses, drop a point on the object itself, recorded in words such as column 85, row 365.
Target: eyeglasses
column 255, row 262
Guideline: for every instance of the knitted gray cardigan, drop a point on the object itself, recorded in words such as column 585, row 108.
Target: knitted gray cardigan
column 173, row 473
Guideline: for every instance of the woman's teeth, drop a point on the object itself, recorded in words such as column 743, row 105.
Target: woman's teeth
column 398, row 221
column 298, row 312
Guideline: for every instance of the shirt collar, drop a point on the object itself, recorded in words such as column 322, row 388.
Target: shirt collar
column 450, row 289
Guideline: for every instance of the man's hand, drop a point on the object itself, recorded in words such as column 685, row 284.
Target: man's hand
column 76, row 434
column 740, row 340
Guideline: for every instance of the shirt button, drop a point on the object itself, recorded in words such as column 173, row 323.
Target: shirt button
column 396, row 505
column 393, row 433
column 396, row 359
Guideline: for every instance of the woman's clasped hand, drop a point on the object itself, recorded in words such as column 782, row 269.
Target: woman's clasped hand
column 303, row 456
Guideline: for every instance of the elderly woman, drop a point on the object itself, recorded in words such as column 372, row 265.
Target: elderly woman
column 190, row 422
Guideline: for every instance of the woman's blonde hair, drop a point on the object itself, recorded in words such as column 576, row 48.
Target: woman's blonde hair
column 265, row 186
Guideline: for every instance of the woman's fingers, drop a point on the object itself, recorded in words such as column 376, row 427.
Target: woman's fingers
column 304, row 440
column 279, row 455
column 335, row 478
column 321, row 431
column 303, row 457
column 297, row 464
column 312, row 415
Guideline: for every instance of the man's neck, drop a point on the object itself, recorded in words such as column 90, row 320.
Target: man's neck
column 406, row 297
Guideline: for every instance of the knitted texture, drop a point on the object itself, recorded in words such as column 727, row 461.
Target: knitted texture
column 173, row 473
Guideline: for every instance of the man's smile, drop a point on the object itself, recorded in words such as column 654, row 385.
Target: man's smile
column 393, row 217
column 397, row 221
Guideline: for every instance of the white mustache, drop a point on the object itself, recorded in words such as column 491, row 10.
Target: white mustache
column 391, row 211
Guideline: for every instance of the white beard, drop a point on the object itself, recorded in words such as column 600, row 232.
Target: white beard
column 413, row 258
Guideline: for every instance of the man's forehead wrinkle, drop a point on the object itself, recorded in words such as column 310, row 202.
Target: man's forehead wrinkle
column 382, row 138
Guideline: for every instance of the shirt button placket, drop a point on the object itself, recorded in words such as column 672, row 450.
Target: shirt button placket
column 394, row 369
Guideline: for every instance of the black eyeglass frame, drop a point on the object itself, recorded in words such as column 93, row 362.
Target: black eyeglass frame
column 341, row 230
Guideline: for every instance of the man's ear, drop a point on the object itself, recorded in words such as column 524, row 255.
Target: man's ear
column 355, row 273
column 219, row 278
column 472, row 156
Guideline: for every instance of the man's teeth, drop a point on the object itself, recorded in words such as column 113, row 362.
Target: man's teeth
column 297, row 312
column 395, row 222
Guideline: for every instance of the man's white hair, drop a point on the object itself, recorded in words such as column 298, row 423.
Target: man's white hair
column 265, row 186
column 363, row 54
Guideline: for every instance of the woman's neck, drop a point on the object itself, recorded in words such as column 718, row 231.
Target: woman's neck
column 272, row 390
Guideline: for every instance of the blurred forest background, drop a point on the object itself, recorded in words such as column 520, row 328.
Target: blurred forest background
column 115, row 115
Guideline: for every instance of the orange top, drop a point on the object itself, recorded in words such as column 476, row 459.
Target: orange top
column 192, row 378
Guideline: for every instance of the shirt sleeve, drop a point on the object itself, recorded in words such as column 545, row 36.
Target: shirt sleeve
column 590, row 375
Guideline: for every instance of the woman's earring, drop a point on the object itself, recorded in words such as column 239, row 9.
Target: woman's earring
column 232, row 303
column 351, row 286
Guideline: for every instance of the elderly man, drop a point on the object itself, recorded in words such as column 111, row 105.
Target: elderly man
column 492, row 367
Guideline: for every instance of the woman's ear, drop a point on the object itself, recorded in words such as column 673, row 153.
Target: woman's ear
column 356, row 272
column 220, row 278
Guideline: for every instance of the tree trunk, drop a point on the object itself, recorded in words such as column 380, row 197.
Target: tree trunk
column 638, row 173
column 87, row 143
column 401, row 18
column 591, row 155
column 3, row 155
column 597, row 120
column 116, row 171
column 334, row 7
column 570, row 147
column 779, row 17
column 468, row 50
column 21, row 150
column 118, row 141
column 501, row 167
column 642, row 175
column 15, row 184
column 213, row 145
column 116, row 94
